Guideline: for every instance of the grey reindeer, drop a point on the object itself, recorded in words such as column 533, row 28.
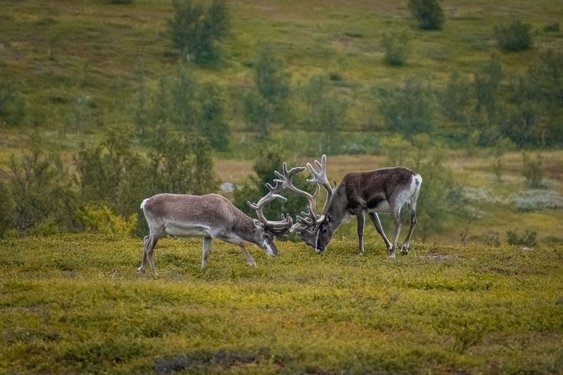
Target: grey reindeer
column 386, row 189
column 211, row 216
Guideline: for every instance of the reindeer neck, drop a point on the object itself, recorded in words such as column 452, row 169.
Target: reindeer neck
column 338, row 207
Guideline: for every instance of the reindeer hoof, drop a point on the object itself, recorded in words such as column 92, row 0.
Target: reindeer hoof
column 404, row 250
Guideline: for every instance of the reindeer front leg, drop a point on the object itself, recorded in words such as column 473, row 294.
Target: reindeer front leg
column 396, row 213
column 361, row 221
column 375, row 219
column 249, row 259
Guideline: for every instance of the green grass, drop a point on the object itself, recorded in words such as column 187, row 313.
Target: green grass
column 75, row 304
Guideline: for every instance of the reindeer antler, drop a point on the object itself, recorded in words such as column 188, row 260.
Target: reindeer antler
column 279, row 228
column 320, row 178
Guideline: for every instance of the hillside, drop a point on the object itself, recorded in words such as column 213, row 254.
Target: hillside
column 66, row 57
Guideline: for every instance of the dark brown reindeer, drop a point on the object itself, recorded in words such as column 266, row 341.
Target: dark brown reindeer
column 211, row 216
column 358, row 193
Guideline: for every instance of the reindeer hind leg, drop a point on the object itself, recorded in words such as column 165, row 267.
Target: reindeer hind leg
column 205, row 251
column 148, row 253
column 405, row 246
column 377, row 223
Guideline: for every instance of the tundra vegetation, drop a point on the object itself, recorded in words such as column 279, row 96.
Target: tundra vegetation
column 105, row 103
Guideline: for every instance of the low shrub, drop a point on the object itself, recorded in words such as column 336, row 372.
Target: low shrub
column 514, row 37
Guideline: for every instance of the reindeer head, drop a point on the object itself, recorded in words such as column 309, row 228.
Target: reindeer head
column 308, row 222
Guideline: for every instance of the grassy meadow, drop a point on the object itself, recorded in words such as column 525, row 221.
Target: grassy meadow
column 463, row 301
column 75, row 304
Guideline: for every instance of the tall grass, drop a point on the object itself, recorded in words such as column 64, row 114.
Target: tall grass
column 75, row 304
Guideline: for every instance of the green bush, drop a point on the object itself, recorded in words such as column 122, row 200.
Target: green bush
column 532, row 171
column 41, row 188
column 527, row 239
column 101, row 219
column 12, row 104
column 408, row 110
column 196, row 31
column 396, row 46
column 514, row 37
column 428, row 13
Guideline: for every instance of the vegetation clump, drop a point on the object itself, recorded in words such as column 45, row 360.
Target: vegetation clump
column 428, row 13
column 514, row 37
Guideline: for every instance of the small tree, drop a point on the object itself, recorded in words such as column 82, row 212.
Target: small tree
column 396, row 46
column 532, row 171
column 428, row 13
column 486, row 86
column 183, row 95
column 268, row 103
column 408, row 110
column 455, row 98
column 109, row 173
column 326, row 111
column 42, row 192
column 12, row 104
column 212, row 124
column 514, row 37
column 196, row 31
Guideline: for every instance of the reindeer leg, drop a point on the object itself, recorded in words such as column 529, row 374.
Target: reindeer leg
column 144, row 259
column 249, row 259
column 148, row 253
column 405, row 247
column 396, row 213
column 375, row 219
column 205, row 251
column 361, row 221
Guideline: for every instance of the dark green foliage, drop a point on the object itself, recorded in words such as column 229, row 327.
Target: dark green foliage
column 193, row 109
column 183, row 108
column 487, row 85
column 514, row 37
column 527, row 239
column 455, row 98
column 196, row 31
column 170, row 163
column 428, row 13
column 396, row 46
column 532, row 171
column 268, row 103
column 212, row 124
column 8, row 209
column 179, row 164
column 325, row 112
column 408, row 110
column 12, row 104
column 538, row 102
column 112, row 173
column 41, row 188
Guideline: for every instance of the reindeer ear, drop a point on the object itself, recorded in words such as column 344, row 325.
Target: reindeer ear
column 258, row 224
column 328, row 218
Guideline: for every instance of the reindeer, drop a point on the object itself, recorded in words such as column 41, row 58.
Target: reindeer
column 211, row 216
column 358, row 193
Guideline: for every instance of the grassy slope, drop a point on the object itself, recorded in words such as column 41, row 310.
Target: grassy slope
column 60, row 51
column 75, row 304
